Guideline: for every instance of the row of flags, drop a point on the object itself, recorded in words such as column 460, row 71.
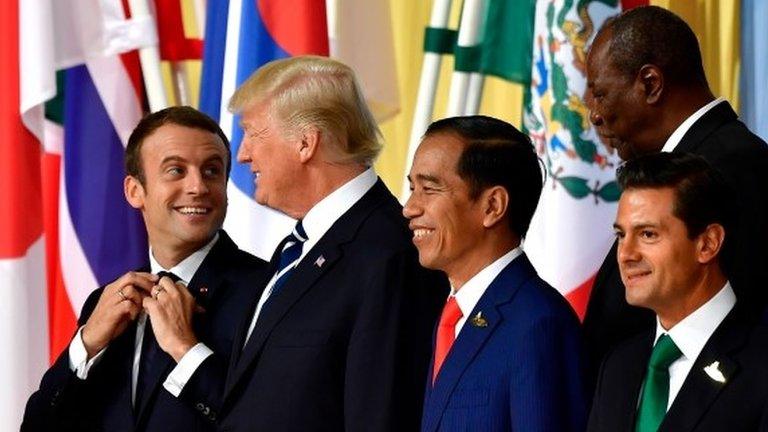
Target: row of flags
column 66, row 113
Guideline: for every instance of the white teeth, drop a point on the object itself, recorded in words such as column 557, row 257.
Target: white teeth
column 193, row 210
column 418, row 233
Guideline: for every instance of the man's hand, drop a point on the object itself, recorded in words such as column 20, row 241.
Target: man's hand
column 170, row 310
column 119, row 304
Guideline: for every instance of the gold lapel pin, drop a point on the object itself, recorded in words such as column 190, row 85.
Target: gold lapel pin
column 478, row 320
column 713, row 370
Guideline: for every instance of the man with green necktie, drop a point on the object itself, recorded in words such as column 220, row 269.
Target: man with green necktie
column 703, row 368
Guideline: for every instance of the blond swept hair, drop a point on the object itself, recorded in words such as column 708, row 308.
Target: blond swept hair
column 312, row 91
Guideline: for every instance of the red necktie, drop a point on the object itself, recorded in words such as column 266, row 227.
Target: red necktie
column 446, row 333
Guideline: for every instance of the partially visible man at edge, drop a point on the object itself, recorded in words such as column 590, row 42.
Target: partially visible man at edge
column 647, row 93
column 339, row 338
column 114, row 375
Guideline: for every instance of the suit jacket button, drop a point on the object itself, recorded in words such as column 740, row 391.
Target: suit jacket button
column 200, row 406
column 206, row 411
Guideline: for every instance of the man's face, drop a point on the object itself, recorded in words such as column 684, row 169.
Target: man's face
column 657, row 260
column 273, row 158
column 446, row 223
column 617, row 104
column 183, row 199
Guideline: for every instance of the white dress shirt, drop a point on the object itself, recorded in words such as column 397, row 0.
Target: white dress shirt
column 681, row 130
column 185, row 270
column 692, row 333
column 318, row 221
column 469, row 294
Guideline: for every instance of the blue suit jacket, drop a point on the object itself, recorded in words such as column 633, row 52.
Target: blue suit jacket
column 103, row 401
column 521, row 371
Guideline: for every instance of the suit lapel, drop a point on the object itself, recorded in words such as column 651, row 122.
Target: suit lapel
column 706, row 125
column 318, row 261
column 704, row 383
column 473, row 337
column 628, row 396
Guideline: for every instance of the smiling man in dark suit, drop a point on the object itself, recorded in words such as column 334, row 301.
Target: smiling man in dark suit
column 114, row 375
column 507, row 350
column 339, row 338
column 703, row 367
column 647, row 93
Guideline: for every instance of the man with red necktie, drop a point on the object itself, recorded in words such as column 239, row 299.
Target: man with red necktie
column 507, row 353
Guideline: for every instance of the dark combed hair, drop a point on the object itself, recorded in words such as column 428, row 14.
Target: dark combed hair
column 702, row 196
column 178, row 115
column 497, row 154
column 654, row 35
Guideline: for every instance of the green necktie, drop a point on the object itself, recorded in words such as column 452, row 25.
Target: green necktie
column 653, row 402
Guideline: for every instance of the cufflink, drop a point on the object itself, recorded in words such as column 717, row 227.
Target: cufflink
column 203, row 291
column 713, row 370
column 478, row 320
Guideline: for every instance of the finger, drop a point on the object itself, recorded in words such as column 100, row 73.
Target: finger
column 150, row 305
column 131, row 294
column 170, row 287
column 144, row 282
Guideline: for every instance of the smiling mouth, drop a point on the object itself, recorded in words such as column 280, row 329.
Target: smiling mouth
column 422, row 232
column 193, row 211
column 633, row 276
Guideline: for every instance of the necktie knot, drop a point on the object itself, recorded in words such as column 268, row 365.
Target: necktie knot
column 665, row 352
column 168, row 274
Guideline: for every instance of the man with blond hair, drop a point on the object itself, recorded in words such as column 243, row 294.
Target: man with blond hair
column 338, row 335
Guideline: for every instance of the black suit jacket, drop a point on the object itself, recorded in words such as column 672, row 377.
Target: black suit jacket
column 742, row 158
column 703, row 404
column 345, row 345
column 224, row 285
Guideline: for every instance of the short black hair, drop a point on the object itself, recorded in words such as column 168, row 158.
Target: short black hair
column 178, row 115
column 702, row 195
column 497, row 154
column 654, row 35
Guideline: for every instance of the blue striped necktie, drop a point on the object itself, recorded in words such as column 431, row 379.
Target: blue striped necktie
column 289, row 257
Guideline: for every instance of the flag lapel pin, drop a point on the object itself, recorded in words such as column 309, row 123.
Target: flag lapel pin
column 478, row 320
column 320, row 261
column 713, row 370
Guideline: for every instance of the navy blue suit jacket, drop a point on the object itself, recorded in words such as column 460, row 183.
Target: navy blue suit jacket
column 103, row 400
column 345, row 345
column 521, row 371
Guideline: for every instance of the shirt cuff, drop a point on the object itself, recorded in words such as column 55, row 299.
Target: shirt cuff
column 187, row 366
column 78, row 356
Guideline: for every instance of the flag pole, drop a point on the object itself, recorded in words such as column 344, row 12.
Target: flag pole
column 150, row 62
column 425, row 99
column 469, row 36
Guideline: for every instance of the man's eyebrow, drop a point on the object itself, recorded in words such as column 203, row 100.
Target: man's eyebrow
column 173, row 158
column 429, row 178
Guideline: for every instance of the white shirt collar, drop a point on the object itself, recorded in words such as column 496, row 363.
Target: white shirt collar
column 681, row 130
column 693, row 332
column 469, row 294
column 325, row 213
column 187, row 268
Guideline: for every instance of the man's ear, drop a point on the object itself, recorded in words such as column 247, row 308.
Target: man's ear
column 134, row 192
column 494, row 201
column 651, row 79
column 309, row 144
column 709, row 243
